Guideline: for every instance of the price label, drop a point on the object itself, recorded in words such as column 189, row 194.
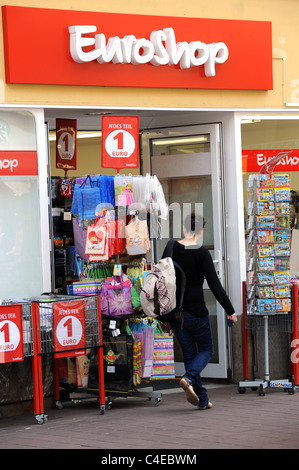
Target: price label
column 120, row 142
column 11, row 334
column 69, row 328
column 66, row 144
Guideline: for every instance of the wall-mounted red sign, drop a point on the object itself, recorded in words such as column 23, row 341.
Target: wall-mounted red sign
column 67, row 47
column 69, row 328
column 66, row 144
column 18, row 162
column 120, row 142
column 254, row 160
column 11, row 334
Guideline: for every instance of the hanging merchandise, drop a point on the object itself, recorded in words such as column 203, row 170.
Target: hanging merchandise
column 137, row 237
column 96, row 240
column 91, row 192
column 116, row 296
column 163, row 358
column 149, row 194
column 123, row 186
column 64, row 188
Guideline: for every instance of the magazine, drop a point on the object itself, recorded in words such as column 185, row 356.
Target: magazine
column 266, row 292
column 280, row 180
column 281, row 277
column 282, row 208
column 266, row 222
column 266, row 264
column 282, row 249
column 282, row 194
column 282, row 222
column 282, row 263
column 283, row 305
column 283, row 236
column 265, row 250
column 264, row 180
column 265, row 194
column 265, row 208
column 265, row 236
column 282, row 291
column 266, row 305
column 265, row 279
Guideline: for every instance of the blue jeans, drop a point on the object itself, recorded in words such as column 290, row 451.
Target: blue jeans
column 195, row 337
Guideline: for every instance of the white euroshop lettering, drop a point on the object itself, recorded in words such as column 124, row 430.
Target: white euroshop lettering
column 288, row 160
column 161, row 49
column 6, row 163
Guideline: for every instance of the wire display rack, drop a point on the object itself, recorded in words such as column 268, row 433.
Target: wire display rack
column 287, row 323
column 29, row 348
column 69, row 328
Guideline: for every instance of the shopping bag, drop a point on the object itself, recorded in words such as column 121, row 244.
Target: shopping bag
column 147, row 351
column 163, row 357
column 137, row 237
column 96, row 239
column 118, row 366
column 136, row 362
column 119, row 298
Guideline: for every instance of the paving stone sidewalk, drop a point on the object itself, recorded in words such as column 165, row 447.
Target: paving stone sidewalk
column 236, row 421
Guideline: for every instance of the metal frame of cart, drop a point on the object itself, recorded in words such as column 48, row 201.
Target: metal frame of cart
column 45, row 341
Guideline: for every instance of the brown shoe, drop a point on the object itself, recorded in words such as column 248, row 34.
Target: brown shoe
column 190, row 394
column 208, row 407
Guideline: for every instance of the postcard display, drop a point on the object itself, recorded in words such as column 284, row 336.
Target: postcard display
column 269, row 244
column 268, row 257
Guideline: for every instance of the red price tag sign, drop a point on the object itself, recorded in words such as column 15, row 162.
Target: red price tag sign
column 120, row 142
column 66, row 144
column 11, row 334
column 69, row 328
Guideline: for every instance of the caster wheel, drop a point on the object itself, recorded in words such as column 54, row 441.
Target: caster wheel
column 262, row 394
column 242, row 390
column 157, row 401
column 59, row 405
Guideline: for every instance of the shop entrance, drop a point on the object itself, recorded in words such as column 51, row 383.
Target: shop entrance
column 188, row 163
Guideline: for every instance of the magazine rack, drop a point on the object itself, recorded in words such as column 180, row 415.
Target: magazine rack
column 267, row 291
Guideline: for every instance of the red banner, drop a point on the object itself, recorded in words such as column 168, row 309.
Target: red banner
column 120, row 142
column 69, row 328
column 11, row 334
column 18, row 162
column 254, row 160
column 68, row 47
column 66, row 144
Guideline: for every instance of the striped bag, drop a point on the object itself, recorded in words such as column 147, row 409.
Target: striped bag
column 163, row 361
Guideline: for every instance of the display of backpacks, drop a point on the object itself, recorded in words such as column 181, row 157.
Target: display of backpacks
column 163, row 290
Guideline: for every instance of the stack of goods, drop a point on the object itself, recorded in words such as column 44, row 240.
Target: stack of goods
column 269, row 244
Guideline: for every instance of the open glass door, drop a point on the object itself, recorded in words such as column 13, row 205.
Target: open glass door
column 187, row 161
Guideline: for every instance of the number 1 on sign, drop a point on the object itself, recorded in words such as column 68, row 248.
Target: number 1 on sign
column 120, row 140
column 69, row 325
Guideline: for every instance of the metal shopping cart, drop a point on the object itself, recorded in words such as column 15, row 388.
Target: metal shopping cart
column 68, row 327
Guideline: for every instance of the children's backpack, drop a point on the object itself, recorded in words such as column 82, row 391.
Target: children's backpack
column 164, row 287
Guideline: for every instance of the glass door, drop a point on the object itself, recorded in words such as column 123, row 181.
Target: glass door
column 187, row 161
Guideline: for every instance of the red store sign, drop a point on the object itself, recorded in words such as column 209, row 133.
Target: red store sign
column 254, row 160
column 66, row 144
column 120, row 142
column 69, row 328
column 11, row 334
column 18, row 162
column 66, row 47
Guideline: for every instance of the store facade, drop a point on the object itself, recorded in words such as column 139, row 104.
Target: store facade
column 191, row 74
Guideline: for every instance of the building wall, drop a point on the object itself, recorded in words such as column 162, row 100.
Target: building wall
column 283, row 16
